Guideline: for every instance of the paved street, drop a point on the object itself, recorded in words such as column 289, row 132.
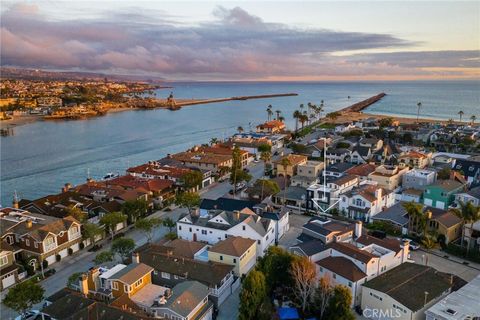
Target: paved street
column 83, row 261
column 229, row 309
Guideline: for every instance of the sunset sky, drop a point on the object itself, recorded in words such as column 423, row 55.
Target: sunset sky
column 245, row 40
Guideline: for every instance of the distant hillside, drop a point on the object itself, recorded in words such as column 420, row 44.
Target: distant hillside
column 37, row 74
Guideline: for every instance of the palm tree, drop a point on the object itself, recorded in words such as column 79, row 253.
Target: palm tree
column 240, row 129
column 269, row 113
column 415, row 215
column 473, row 118
column 303, row 118
column 296, row 116
column 281, row 118
column 419, row 105
column 278, row 113
column 461, row 113
column 213, row 141
column 285, row 162
column 265, row 154
column 469, row 213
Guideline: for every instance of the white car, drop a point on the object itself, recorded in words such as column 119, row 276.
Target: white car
column 413, row 245
column 256, row 160
column 28, row 315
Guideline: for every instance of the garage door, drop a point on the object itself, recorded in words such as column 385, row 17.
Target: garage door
column 63, row 253
column 8, row 281
column 440, row 205
column 427, row 202
column 51, row 259
column 75, row 247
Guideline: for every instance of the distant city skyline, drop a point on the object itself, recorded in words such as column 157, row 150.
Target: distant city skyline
column 245, row 40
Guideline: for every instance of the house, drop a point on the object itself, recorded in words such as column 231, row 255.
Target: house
column 414, row 159
column 458, row 305
column 37, row 237
column 9, row 270
column 170, row 270
column 472, row 235
column 307, row 173
column 226, row 204
column 271, row 127
column 217, row 225
column 362, row 171
column 352, row 264
column 396, row 215
column 373, row 143
column 360, row 154
column 338, row 155
column 236, row 251
column 224, row 150
column 470, row 170
column 441, row 194
column 337, row 169
column 472, row 196
column 203, row 160
column 293, row 197
column 418, row 178
column 290, row 170
column 159, row 190
column 404, row 292
column 69, row 304
column 365, row 201
column 324, row 196
column 326, row 231
column 388, row 177
column 445, row 224
column 409, row 195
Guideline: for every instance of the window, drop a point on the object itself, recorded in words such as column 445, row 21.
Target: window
column 243, row 228
column 179, row 227
column 114, row 285
column 35, row 244
column 27, row 242
column 10, row 239
column 204, row 231
column 221, row 257
column 190, row 229
column 349, row 284
column 334, row 276
column 258, row 241
column 138, row 283
column 3, row 260
column 165, row 275
column 234, row 260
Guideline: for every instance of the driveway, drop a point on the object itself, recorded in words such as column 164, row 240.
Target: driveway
column 290, row 237
column 229, row 308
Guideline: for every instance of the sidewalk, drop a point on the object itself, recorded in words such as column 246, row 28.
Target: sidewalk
column 453, row 258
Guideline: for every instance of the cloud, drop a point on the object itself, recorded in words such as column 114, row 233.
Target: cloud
column 235, row 45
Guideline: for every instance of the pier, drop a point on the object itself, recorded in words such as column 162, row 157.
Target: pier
column 360, row 106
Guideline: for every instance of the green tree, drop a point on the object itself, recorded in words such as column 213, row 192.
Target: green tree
column 123, row 247
column 339, row 304
column 188, row 200
column 296, row 116
column 192, row 179
column 386, row 122
column 73, row 279
column 444, row 174
column 23, row 296
column 265, row 154
column 103, row 257
column 91, row 231
column 148, row 226
column 416, row 216
column 263, row 188
column 134, row 209
column 285, row 162
column 236, row 171
column 469, row 213
column 274, row 266
column 111, row 220
column 169, row 223
column 333, row 115
column 252, row 295
column 77, row 213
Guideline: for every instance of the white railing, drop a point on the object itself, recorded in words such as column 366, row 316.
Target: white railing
column 227, row 283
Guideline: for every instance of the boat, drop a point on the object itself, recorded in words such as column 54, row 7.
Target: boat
column 111, row 176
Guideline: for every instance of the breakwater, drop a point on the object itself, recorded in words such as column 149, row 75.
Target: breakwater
column 360, row 106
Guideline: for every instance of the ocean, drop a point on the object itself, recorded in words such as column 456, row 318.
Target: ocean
column 42, row 156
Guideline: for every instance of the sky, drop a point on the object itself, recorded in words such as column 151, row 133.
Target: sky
column 246, row 40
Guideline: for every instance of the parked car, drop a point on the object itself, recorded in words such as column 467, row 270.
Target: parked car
column 413, row 245
column 378, row 234
column 32, row 314
column 256, row 160
column 95, row 248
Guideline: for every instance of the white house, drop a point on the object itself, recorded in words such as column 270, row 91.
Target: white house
column 217, row 225
column 365, row 201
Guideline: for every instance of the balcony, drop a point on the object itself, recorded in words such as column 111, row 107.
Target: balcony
column 50, row 247
column 218, row 291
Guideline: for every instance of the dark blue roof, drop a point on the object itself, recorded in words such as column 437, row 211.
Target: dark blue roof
column 226, row 204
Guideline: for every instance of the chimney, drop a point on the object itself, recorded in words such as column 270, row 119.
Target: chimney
column 428, row 214
column 378, row 193
column 28, row 223
column 136, row 257
column 84, row 284
column 237, row 215
column 358, row 229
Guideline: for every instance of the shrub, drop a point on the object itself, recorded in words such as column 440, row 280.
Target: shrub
column 58, row 257
column 70, row 251
column 458, row 251
column 81, row 246
column 386, row 227
column 30, row 270
column 45, row 264
column 171, row 236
